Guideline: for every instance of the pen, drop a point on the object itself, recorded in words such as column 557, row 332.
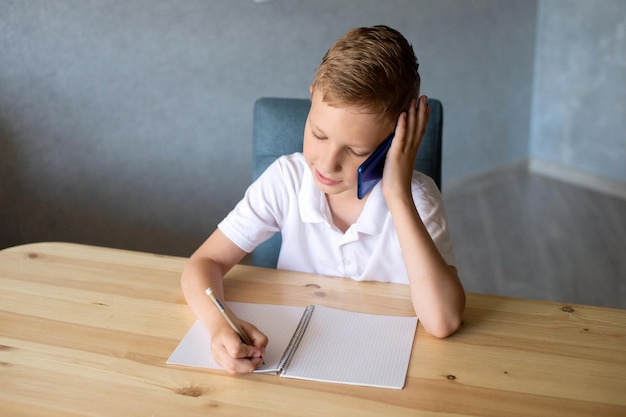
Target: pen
column 242, row 335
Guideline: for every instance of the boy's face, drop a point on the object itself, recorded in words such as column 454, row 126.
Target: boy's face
column 337, row 140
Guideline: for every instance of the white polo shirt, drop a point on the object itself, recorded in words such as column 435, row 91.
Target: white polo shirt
column 285, row 198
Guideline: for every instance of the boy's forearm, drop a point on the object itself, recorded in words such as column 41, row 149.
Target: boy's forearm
column 227, row 349
column 206, row 269
column 436, row 291
column 198, row 275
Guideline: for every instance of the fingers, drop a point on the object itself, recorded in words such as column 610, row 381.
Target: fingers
column 412, row 124
column 423, row 114
column 400, row 137
column 400, row 160
column 235, row 356
column 259, row 340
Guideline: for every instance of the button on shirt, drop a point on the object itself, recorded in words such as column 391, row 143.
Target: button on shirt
column 285, row 198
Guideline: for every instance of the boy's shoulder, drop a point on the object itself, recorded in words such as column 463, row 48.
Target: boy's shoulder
column 286, row 170
column 293, row 158
column 422, row 180
column 424, row 189
column 292, row 163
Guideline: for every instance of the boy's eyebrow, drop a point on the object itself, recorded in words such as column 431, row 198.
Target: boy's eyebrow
column 316, row 129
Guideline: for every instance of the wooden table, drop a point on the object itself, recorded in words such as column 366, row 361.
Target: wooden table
column 87, row 331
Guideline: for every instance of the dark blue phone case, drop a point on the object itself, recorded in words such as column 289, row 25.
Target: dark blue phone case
column 371, row 171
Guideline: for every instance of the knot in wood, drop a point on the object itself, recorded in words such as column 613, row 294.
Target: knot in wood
column 190, row 391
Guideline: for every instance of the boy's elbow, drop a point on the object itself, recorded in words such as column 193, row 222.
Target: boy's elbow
column 450, row 318
column 445, row 328
column 446, row 322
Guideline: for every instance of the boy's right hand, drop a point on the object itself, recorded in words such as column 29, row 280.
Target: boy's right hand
column 399, row 165
column 234, row 355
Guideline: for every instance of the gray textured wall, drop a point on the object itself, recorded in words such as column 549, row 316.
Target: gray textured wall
column 579, row 109
column 128, row 123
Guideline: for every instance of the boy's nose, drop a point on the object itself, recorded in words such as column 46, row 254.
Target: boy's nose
column 331, row 160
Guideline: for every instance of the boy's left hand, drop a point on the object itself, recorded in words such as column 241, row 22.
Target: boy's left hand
column 400, row 160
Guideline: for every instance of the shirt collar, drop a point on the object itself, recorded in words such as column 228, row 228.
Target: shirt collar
column 314, row 207
column 374, row 214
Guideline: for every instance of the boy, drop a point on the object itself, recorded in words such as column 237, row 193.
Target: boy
column 366, row 87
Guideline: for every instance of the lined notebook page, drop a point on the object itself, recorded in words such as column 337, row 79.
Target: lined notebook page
column 353, row 348
column 277, row 322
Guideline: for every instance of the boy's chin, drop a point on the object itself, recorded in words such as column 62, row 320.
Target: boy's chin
column 338, row 191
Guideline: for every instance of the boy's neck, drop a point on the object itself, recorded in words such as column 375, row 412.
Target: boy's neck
column 345, row 210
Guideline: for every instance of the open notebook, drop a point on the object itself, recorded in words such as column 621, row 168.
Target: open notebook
column 317, row 343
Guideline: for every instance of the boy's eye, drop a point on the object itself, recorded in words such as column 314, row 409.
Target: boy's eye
column 358, row 154
column 316, row 136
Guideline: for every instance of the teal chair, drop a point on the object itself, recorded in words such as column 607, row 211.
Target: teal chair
column 278, row 129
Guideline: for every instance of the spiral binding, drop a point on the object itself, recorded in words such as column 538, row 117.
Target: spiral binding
column 285, row 360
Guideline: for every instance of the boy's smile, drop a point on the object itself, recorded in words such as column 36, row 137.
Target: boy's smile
column 336, row 142
column 325, row 180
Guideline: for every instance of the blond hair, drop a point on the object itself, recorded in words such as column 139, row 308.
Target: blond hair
column 374, row 68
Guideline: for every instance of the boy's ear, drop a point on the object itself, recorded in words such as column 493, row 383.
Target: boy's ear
column 311, row 89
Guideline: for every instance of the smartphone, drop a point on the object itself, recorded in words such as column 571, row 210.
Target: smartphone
column 371, row 171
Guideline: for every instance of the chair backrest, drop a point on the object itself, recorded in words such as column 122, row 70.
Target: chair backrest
column 278, row 129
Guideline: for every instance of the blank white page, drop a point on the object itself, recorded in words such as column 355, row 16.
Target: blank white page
column 277, row 322
column 353, row 348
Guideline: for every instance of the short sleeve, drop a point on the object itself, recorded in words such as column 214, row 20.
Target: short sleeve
column 429, row 204
column 265, row 206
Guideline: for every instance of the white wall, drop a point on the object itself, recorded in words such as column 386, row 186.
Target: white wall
column 579, row 93
column 128, row 123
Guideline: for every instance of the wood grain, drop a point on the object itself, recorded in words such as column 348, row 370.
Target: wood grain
column 86, row 331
